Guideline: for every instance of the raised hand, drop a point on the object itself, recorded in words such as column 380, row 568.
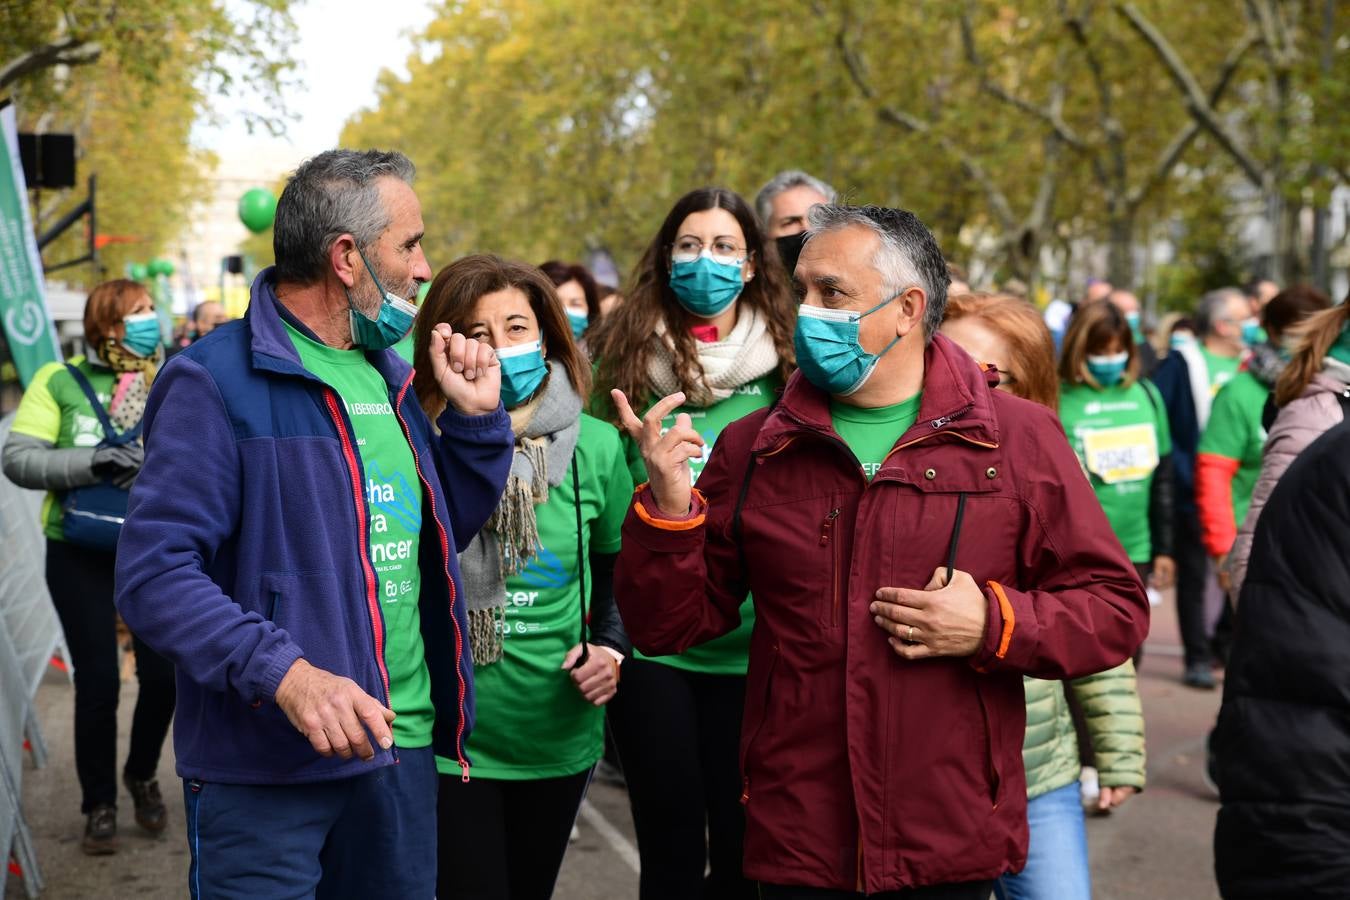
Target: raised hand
column 467, row 371
column 665, row 455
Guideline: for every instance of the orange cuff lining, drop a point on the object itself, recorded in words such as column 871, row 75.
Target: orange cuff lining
column 1009, row 619
column 668, row 524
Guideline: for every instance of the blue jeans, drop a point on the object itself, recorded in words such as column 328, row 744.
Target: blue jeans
column 369, row 836
column 1057, row 857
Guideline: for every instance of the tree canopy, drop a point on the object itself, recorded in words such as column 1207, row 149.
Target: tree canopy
column 1020, row 132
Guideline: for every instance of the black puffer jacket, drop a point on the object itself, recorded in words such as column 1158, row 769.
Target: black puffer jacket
column 1283, row 741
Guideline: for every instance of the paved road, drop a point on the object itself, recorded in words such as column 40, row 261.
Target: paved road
column 1156, row 847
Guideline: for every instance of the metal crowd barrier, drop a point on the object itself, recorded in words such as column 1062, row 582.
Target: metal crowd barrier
column 30, row 634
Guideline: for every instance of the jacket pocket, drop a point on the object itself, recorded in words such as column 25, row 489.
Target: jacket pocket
column 273, row 604
column 991, row 758
column 751, row 729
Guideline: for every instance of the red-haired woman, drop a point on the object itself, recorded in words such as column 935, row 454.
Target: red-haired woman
column 60, row 442
column 1008, row 334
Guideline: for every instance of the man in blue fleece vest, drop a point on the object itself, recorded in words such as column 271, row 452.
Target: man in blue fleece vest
column 308, row 592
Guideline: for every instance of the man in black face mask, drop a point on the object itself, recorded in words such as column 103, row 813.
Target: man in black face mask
column 782, row 205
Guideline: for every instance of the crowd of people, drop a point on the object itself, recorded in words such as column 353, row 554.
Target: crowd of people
column 846, row 566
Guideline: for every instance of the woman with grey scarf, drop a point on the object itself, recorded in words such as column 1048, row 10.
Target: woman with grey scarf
column 546, row 638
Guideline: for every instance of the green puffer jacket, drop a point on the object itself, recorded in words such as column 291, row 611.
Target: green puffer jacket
column 1110, row 702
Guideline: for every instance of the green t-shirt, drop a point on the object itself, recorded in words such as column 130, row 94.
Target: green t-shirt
column 1119, row 436
column 730, row 653
column 871, row 433
column 1222, row 369
column 54, row 409
column 394, row 501
column 531, row 721
column 1235, row 432
column 404, row 348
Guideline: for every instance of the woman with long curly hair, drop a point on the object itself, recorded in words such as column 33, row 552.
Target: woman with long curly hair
column 708, row 316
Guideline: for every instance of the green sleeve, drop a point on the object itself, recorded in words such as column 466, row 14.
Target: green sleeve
column 1115, row 724
column 1160, row 420
column 39, row 415
column 616, row 492
column 1226, row 433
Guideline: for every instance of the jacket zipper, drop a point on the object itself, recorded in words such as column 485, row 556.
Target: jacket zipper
column 764, row 714
column 363, row 539
column 826, row 533
column 445, row 554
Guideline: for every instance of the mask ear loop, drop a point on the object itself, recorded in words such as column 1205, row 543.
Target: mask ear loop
column 373, row 277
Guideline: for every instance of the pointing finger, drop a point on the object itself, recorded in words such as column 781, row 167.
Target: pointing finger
column 627, row 418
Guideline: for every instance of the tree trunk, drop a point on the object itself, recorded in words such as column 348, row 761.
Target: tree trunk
column 1120, row 243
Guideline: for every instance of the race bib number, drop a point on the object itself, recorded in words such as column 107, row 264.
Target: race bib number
column 1127, row 453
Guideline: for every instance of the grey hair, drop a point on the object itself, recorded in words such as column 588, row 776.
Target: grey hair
column 332, row 194
column 786, row 181
column 1213, row 304
column 907, row 253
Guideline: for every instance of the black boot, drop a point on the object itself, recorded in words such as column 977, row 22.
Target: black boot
column 150, row 812
column 100, row 831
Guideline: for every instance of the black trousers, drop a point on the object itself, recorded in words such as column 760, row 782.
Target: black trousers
column 678, row 736
column 1192, row 568
column 971, row 890
column 81, row 585
column 504, row 840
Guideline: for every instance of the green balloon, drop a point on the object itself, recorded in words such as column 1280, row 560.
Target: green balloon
column 257, row 209
column 138, row 271
column 160, row 266
column 423, row 291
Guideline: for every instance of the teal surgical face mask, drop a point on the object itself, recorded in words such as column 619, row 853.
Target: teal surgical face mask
column 1136, row 327
column 393, row 323
column 1108, row 370
column 1252, row 332
column 706, row 287
column 579, row 322
column 828, row 351
column 523, row 370
column 142, row 334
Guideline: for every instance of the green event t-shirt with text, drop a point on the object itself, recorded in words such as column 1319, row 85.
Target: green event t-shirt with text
column 730, row 653
column 871, row 433
column 531, row 721
column 1120, row 434
column 394, row 505
column 1222, row 369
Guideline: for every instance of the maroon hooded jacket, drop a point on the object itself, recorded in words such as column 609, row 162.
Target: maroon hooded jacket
column 863, row 771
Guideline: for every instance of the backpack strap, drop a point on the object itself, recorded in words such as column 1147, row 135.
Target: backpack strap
column 581, row 563
column 110, row 432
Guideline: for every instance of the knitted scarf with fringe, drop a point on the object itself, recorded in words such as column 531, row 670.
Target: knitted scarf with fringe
column 546, row 432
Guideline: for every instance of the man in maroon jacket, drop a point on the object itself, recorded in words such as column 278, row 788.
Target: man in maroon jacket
column 915, row 542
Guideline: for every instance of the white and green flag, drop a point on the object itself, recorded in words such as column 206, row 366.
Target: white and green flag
column 23, row 302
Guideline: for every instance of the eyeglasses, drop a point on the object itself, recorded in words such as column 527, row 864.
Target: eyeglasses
column 723, row 250
column 1005, row 377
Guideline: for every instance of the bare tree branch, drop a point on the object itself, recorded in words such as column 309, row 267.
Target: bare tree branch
column 1172, row 154
column 857, row 70
column 1195, row 99
column 68, row 52
column 1050, row 117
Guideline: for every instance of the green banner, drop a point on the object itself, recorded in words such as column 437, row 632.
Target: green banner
column 23, row 302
